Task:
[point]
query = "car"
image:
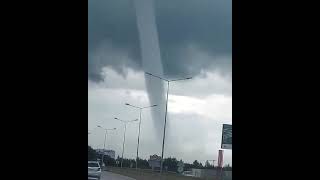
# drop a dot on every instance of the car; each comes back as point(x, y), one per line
point(188, 173)
point(94, 170)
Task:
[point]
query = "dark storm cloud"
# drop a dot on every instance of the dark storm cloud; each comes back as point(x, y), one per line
point(205, 24)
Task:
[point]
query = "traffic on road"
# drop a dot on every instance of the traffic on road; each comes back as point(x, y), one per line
point(95, 173)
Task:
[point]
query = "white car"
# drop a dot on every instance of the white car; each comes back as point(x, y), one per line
point(188, 173)
point(94, 170)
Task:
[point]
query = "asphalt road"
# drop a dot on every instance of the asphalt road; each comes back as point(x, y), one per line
point(112, 176)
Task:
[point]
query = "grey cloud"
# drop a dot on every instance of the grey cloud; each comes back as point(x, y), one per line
point(205, 24)
point(188, 133)
point(190, 136)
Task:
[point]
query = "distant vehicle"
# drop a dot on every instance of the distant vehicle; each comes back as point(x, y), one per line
point(94, 170)
point(188, 173)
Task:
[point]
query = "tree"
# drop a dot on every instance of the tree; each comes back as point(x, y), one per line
point(108, 161)
point(126, 162)
point(143, 164)
point(200, 166)
point(227, 167)
point(188, 166)
point(208, 165)
point(92, 154)
point(196, 164)
point(171, 163)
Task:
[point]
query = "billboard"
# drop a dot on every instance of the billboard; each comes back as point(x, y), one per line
point(226, 142)
point(154, 161)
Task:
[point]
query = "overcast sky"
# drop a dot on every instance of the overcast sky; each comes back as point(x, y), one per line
point(195, 40)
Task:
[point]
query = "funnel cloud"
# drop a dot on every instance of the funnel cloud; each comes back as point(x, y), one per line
point(151, 57)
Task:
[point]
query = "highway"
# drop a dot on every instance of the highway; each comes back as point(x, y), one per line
point(106, 175)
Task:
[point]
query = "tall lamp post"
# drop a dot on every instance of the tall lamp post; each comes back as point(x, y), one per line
point(165, 117)
point(105, 138)
point(124, 135)
point(140, 109)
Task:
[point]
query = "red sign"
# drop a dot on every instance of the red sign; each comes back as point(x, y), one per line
point(220, 159)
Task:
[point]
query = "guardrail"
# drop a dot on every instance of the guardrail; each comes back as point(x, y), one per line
point(148, 174)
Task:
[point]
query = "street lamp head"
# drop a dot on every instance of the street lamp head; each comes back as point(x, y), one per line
point(127, 104)
point(116, 118)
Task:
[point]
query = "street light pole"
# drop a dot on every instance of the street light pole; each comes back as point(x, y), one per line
point(165, 117)
point(140, 111)
point(124, 140)
point(105, 138)
point(124, 136)
point(164, 129)
point(138, 141)
point(104, 143)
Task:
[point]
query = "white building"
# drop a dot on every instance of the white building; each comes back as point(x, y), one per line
point(107, 152)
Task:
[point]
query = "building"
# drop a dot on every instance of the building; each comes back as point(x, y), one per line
point(107, 152)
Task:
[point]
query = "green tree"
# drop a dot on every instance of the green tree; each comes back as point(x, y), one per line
point(143, 164)
point(188, 166)
point(92, 154)
point(109, 161)
point(207, 165)
point(200, 166)
point(171, 163)
point(196, 164)
point(227, 167)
